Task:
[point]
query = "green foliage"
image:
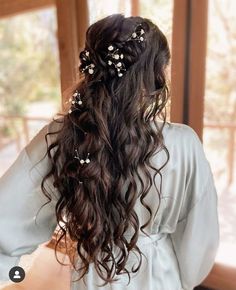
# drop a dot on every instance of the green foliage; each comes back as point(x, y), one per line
point(28, 60)
point(5, 130)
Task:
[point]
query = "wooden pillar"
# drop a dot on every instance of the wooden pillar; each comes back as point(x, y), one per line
point(135, 8)
point(188, 62)
point(197, 64)
point(67, 41)
point(72, 17)
point(82, 22)
point(180, 24)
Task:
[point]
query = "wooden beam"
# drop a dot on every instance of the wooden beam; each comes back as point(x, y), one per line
point(135, 7)
point(14, 7)
point(72, 17)
point(67, 41)
point(73, 20)
point(178, 64)
point(197, 62)
point(82, 22)
point(188, 62)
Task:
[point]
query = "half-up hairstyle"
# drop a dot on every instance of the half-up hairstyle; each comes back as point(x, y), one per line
point(113, 123)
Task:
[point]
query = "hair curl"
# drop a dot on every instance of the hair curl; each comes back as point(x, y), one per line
point(117, 115)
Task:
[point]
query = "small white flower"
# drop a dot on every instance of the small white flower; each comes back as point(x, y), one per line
point(134, 34)
point(119, 64)
point(73, 102)
point(87, 53)
point(121, 56)
point(141, 38)
point(75, 94)
point(70, 111)
point(142, 31)
point(110, 47)
point(116, 56)
point(109, 62)
point(120, 74)
point(91, 71)
point(87, 160)
point(92, 65)
point(82, 161)
point(80, 102)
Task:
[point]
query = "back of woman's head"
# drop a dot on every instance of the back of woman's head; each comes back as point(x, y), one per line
point(107, 137)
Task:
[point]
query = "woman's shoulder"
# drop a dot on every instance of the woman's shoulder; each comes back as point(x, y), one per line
point(52, 126)
point(176, 134)
point(183, 143)
point(36, 149)
point(56, 124)
point(180, 130)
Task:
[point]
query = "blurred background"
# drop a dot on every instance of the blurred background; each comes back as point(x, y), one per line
point(39, 44)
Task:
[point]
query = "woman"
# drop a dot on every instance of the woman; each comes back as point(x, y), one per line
point(135, 194)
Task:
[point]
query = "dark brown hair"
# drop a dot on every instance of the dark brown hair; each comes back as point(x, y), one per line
point(117, 114)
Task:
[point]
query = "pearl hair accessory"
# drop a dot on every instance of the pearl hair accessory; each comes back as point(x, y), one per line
point(114, 56)
point(89, 68)
point(138, 34)
point(82, 161)
point(86, 64)
point(75, 99)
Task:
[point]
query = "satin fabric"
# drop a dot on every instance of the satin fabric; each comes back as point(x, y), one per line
point(184, 234)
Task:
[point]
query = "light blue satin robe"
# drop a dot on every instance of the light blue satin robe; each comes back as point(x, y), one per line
point(184, 234)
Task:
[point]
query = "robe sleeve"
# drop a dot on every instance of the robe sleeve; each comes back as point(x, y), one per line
point(24, 225)
point(196, 238)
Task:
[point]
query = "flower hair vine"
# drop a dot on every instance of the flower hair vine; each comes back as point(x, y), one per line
point(74, 100)
point(138, 34)
point(115, 56)
point(82, 161)
point(86, 64)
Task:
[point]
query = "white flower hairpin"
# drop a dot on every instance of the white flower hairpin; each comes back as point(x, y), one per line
point(138, 34)
point(75, 99)
point(115, 58)
point(82, 161)
point(89, 68)
point(86, 64)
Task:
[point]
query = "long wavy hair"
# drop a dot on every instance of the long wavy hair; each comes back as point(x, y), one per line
point(117, 115)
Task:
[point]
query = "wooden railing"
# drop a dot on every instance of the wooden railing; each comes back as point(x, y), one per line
point(25, 128)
